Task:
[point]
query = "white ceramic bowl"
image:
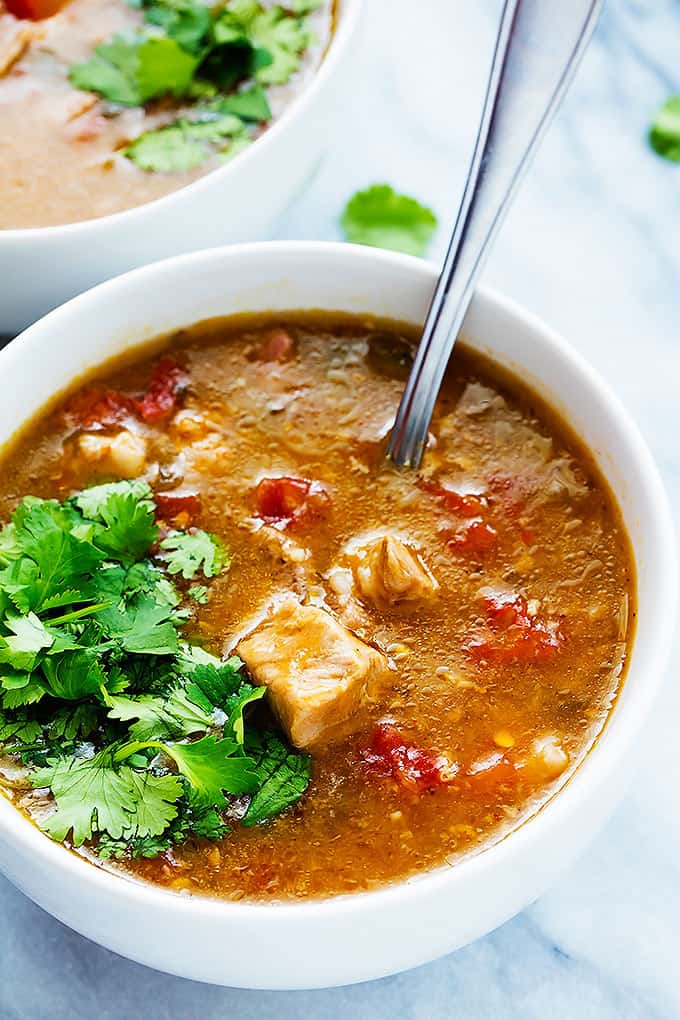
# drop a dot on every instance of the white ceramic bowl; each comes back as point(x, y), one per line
point(42, 267)
point(350, 938)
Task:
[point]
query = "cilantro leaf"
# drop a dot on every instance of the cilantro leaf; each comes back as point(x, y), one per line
point(173, 716)
point(133, 70)
point(72, 675)
point(218, 681)
point(90, 794)
point(187, 21)
point(185, 144)
point(29, 636)
point(236, 705)
point(382, 218)
point(141, 626)
point(272, 30)
point(18, 729)
point(155, 800)
point(199, 593)
point(68, 724)
point(129, 529)
point(664, 133)
point(186, 553)
point(62, 561)
point(210, 766)
point(92, 502)
point(250, 104)
point(283, 775)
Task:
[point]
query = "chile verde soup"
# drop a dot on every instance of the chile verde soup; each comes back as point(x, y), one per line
point(240, 656)
point(108, 104)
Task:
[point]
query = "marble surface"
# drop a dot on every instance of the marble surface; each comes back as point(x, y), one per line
point(593, 246)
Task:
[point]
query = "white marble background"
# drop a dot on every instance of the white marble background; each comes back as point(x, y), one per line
point(592, 245)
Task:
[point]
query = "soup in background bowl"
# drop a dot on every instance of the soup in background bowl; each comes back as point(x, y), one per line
point(167, 133)
point(265, 667)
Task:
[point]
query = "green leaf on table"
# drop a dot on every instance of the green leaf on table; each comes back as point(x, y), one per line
point(381, 218)
point(664, 133)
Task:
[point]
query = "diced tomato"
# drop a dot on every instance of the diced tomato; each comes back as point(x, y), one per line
point(36, 10)
point(98, 407)
point(286, 499)
point(389, 755)
point(476, 537)
point(170, 505)
point(278, 345)
point(465, 504)
point(514, 635)
point(166, 384)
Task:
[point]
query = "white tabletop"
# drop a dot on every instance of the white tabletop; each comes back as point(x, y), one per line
point(593, 246)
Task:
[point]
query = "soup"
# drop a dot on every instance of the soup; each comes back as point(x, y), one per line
point(106, 105)
point(269, 666)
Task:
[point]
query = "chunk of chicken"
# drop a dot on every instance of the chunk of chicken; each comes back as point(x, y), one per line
point(388, 572)
point(318, 673)
point(123, 455)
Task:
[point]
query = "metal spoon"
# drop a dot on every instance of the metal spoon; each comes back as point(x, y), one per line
point(539, 46)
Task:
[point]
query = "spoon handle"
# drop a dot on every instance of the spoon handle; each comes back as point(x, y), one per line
point(539, 46)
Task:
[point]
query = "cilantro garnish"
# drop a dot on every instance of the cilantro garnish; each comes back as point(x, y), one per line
point(198, 53)
point(186, 144)
point(186, 553)
point(132, 70)
point(91, 650)
point(381, 218)
point(664, 133)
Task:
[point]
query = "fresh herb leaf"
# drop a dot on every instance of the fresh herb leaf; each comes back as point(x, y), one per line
point(381, 218)
point(250, 104)
point(155, 800)
point(218, 681)
point(199, 593)
point(187, 21)
point(91, 796)
point(236, 705)
point(186, 553)
point(141, 626)
point(185, 144)
point(93, 502)
point(73, 675)
point(133, 70)
point(272, 30)
point(664, 133)
point(173, 716)
point(283, 777)
point(211, 766)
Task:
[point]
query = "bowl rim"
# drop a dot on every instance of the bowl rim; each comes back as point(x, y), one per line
point(590, 775)
point(349, 11)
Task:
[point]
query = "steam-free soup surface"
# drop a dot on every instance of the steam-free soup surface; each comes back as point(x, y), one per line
point(75, 145)
point(494, 588)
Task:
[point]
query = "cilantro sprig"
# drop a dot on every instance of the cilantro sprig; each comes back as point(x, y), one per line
point(381, 218)
point(141, 739)
point(664, 133)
